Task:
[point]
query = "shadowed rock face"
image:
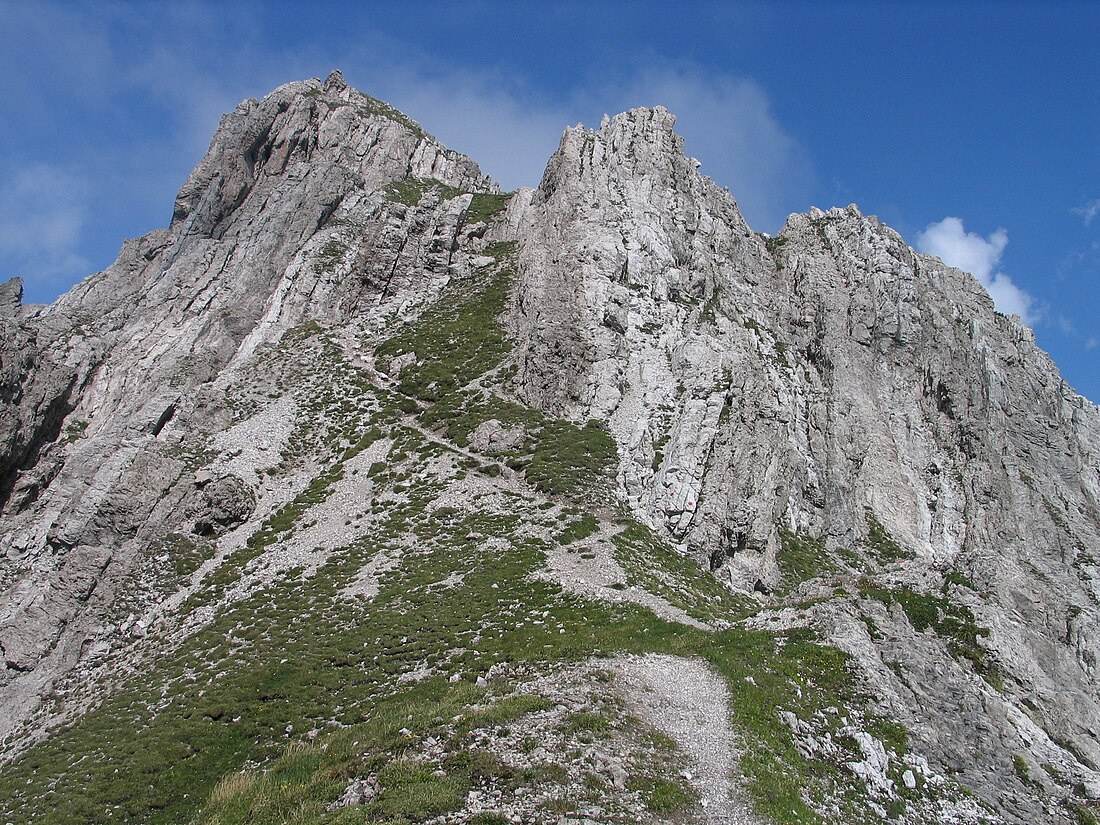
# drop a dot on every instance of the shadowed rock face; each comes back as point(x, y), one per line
point(828, 389)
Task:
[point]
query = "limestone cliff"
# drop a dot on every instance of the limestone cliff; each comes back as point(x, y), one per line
point(349, 348)
point(827, 382)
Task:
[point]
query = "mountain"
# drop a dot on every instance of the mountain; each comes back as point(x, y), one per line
point(365, 492)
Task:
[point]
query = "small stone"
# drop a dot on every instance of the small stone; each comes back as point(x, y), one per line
point(358, 792)
point(790, 720)
point(909, 779)
point(619, 776)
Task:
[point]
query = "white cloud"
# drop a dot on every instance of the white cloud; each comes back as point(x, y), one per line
point(507, 131)
point(1090, 343)
point(1010, 299)
point(42, 213)
point(1089, 211)
point(979, 256)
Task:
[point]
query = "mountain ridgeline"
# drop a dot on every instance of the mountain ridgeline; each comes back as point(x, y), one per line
point(366, 492)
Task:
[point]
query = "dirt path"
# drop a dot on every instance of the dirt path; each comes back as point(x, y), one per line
point(589, 568)
point(685, 700)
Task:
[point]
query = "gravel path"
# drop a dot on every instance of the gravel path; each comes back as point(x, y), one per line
point(685, 700)
point(589, 569)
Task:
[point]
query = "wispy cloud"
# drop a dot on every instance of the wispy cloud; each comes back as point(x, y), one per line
point(949, 240)
point(509, 131)
point(729, 125)
point(1089, 211)
point(42, 215)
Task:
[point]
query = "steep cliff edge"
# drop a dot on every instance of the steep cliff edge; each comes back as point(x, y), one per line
point(358, 429)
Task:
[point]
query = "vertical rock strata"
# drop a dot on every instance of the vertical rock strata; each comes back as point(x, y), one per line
point(824, 382)
point(818, 411)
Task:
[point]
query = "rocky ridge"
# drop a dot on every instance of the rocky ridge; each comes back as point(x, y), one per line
point(351, 364)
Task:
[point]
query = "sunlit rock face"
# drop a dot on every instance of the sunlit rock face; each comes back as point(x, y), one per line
point(829, 381)
point(841, 430)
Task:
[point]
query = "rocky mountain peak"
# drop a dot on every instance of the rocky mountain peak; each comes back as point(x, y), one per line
point(638, 145)
point(651, 126)
point(335, 82)
point(361, 458)
point(344, 138)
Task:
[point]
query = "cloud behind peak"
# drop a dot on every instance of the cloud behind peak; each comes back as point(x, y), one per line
point(950, 242)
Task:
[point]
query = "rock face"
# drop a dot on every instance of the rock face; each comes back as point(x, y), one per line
point(97, 386)
point(825, 381)
point(840, 429)
point(223, 503)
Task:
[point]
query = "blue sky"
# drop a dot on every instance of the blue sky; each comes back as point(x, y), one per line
point(971, 128)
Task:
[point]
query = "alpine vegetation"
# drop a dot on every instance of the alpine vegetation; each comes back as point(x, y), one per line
point(365, 492)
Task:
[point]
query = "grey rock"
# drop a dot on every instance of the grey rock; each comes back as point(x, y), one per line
point(358, 792)
point(817, 383)
point(619, 775)
point(400, 362)
point(11, 296)
point(222, 504)
point(494, 437)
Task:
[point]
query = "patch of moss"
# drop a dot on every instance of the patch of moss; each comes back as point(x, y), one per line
point(367, 105)
point(1020, 768)
point(954, 577)
point(572, 460)
point(330, 254)
point(455, 342)
point(411, 190)
point(953, 622)
point(74, 430)
point(663, 796)
point(485, 206)
point(652, 564)
point(1085, 813)
point(882, 545)
point(800, 559)
point(579, 529)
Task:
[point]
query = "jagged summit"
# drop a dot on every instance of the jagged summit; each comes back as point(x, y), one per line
point(335, 82)
point(11, 295)
point(364, 485)
point(348, 140)
point(652, 125)
point(638, 146)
